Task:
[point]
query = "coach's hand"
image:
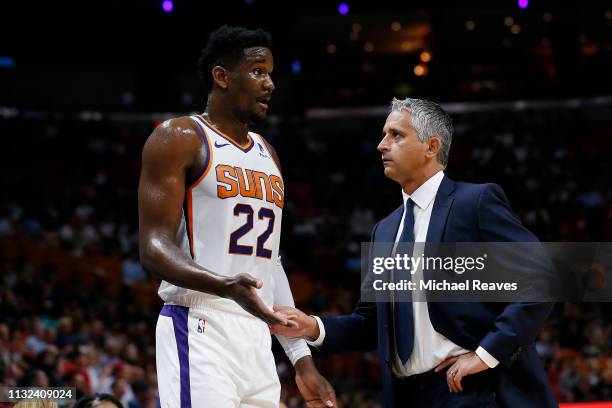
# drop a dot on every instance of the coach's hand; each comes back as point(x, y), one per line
point(242, 288)
point(461, 366)
point(315, 389)
point(305, 327)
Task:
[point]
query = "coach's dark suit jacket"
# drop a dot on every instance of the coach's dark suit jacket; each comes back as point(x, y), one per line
point(462, 212)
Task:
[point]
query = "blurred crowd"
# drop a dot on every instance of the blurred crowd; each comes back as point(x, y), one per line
point(77, 309)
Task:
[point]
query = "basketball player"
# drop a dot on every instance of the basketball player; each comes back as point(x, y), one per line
point(210, 199)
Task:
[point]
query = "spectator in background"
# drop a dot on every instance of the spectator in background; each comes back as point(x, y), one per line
point(99, 401)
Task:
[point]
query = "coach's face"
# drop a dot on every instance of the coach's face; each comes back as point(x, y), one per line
point(404, 156)
point(250, 85)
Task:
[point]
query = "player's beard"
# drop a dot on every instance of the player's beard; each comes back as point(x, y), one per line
point(256, 118)
point(250, 117)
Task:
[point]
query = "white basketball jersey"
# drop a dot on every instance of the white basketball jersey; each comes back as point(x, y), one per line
point(232, 214)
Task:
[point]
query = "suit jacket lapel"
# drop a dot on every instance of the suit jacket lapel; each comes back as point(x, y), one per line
point(385, 236)
point(388, 229)
point(437, 223)
point(441, 208)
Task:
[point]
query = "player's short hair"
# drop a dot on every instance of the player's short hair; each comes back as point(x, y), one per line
point(430, 120)
point(225, 47)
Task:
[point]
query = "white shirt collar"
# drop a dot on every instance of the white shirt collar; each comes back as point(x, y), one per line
point(425, 194)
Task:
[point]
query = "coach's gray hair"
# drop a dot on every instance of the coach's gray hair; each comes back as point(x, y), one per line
point(430, 120)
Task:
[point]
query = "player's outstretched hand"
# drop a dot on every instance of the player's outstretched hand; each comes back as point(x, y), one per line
point(242, 288)
point(316, 390)
point(305, 326)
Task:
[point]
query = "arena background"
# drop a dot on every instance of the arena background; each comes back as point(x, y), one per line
point(82, 86)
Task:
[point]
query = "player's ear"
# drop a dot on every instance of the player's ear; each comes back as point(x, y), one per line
point(220, 76)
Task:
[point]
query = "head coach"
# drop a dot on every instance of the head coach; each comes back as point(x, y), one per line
point(436, 354)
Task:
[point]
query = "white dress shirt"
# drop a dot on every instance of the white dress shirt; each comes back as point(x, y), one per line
point(430, 347)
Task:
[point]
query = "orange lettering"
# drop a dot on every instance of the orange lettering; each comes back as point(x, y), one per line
point(258, 177)
point(278, 188)
point(245, 191)
point(227, 175)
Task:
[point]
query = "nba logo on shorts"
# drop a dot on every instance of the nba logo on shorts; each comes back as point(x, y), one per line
point(201, 323)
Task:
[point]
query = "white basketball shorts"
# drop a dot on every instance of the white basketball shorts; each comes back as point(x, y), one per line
point(214, 359)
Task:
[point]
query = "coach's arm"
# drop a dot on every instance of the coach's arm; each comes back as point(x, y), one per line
point(354, 332)
point(516, 324)
point(519, 323)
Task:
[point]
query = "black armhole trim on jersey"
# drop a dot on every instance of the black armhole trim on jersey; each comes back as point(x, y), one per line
point(186, 217)
point(204, 168)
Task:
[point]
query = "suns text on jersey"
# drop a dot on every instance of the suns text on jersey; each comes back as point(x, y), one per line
point(233, 181)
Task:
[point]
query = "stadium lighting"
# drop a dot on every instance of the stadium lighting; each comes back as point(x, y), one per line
point(425, 56)
point(296, 67)
point(167, 6)
point(7, 62)
point(421, 70)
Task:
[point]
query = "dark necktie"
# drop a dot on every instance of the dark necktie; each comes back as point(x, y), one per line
point(404, 324)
